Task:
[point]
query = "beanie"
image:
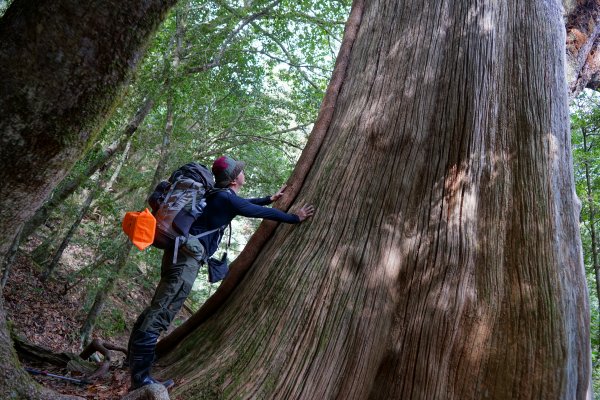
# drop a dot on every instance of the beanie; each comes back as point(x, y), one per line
point(226, 169)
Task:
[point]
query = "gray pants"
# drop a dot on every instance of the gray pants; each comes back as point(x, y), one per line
point(176, 280)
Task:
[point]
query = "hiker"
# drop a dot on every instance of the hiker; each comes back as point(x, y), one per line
point(177, 276)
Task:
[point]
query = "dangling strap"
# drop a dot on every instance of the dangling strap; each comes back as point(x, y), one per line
point(228, 243)
point(176, 249)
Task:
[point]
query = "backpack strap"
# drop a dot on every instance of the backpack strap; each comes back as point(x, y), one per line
point(171, 189)
point(183, 239)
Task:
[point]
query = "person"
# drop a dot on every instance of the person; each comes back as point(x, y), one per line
point(177, 278)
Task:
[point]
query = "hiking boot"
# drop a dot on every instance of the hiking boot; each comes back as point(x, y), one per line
point(140, 365)
point(141, 357)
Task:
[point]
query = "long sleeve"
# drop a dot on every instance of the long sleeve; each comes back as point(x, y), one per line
point(261, 201)
point(223, 206)
point(248, 209)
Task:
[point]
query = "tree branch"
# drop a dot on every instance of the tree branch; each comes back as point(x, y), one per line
point(288, 62)
point(248, 20)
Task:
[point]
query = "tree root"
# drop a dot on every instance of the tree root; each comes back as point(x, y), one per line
point(32, 352)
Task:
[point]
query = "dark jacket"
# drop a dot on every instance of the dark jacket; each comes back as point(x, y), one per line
point(223, 206)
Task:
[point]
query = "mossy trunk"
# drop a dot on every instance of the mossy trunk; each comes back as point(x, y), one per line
point(444, 259)
point(63, 63)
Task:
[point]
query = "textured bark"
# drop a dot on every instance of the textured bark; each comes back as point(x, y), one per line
point(62, 65)
point(59, 80)
point(581, 64)
point(444, 260)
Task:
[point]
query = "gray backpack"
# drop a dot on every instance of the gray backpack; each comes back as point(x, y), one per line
point(179, 204)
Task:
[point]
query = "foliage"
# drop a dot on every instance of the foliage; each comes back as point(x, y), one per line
point(112, 322)
point(4, 6)
point(585, 124)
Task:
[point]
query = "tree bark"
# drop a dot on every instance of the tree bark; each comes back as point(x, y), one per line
point(87, 52)
point(63, 63)
point(444, 260)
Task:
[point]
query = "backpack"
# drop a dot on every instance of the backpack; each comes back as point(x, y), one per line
point(175, 204)
point(179, 202)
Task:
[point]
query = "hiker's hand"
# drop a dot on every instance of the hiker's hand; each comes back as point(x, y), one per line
point(305, 212)
point(279, 193)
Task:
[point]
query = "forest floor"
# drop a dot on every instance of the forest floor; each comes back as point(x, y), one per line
point(45, 316)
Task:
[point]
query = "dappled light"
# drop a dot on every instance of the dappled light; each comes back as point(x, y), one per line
point(443, 258)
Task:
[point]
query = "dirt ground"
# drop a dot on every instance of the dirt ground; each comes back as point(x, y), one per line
point(44, 316)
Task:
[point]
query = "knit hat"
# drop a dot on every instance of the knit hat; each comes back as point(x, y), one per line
point(226, 169)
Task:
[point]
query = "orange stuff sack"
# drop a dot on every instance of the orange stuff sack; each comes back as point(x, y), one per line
point(139, 228)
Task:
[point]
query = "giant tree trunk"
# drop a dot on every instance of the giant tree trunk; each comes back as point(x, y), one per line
point(62, 64)
point(444, 260)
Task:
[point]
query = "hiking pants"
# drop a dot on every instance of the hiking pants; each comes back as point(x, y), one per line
point(176, 280)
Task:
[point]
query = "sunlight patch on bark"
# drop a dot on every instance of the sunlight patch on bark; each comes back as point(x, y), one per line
point(483, 18)
point(392, 259)
point(554, 149)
